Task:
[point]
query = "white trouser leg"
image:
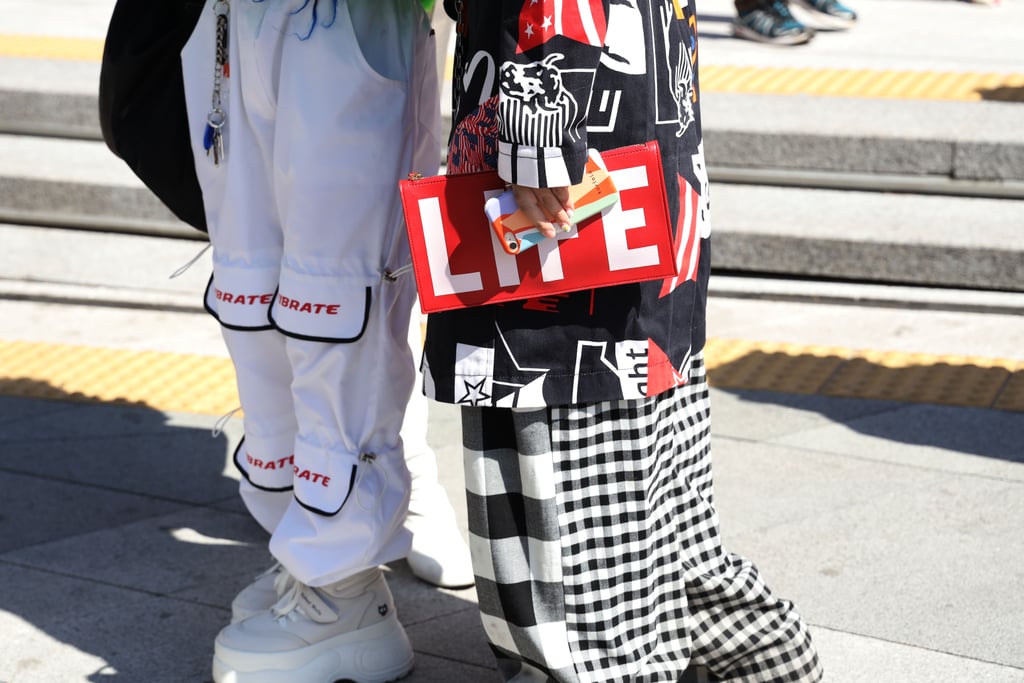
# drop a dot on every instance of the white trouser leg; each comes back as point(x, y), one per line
point(439, 554)
point(351, 485)
point(264, 457)
point(428, 498)
point(306, 228)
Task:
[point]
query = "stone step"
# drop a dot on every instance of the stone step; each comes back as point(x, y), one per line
point(918, 239)
point(928, 240)
point(973, 143)
point(913, 187)
point(972, 147)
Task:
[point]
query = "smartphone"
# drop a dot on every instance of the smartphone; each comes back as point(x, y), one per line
point(517, 233)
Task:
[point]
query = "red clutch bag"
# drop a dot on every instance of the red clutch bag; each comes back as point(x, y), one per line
point(459, 260)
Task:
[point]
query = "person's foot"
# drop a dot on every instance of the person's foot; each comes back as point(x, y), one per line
point(829, 14)
point(439, 554)
point(771, 22)
point(347, 630)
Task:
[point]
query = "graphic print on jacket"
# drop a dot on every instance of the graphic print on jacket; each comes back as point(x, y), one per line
point(536, 106)
point(536, 84)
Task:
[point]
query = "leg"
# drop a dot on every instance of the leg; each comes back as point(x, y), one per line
point(264, 457)
point(439, 555)
point(596, 548)
point(324, 274)
point(514, 540)
point(337, 153)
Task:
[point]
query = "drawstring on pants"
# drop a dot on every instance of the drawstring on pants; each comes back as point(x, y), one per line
point(370, 459)
point(191, 262)
point(222, 421)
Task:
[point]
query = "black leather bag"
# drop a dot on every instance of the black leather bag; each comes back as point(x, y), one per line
point(142, 99)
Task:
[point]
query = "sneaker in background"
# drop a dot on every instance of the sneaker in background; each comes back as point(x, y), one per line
point(829, 14)
point(771, 22)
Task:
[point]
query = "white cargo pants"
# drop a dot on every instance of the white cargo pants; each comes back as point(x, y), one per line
point(307, 233)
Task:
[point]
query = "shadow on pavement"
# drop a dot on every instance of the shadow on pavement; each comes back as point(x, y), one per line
point(1003, 94)
point(122, 543)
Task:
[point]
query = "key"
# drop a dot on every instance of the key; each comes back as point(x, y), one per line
point(213, 139)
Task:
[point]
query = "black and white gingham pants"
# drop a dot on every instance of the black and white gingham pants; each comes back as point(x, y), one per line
point(596, 548)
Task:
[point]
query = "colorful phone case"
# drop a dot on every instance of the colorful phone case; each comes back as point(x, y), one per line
point(517, 233)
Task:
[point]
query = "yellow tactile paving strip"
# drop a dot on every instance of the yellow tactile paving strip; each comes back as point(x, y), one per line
point(51, 47)
point(205, 385)
point(162, 381)
point(881, 375)
point(866, 83)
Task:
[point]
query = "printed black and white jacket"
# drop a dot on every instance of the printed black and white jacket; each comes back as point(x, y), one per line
point(537, 83)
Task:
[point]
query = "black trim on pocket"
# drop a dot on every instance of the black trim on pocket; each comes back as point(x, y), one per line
point(330, 340)
point(237, 328)
point(324, 513)
point(238, 466)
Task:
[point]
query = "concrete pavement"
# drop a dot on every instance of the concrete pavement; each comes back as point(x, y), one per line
point(893, 525)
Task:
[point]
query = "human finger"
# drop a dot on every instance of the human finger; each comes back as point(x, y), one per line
point(530, 201)
point(557, 206)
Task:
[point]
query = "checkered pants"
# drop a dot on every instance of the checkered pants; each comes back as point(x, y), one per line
point(596, 548)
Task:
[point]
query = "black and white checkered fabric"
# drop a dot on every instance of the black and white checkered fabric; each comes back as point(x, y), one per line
point(596, 547)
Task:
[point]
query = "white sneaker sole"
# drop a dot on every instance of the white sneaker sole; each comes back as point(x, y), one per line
point(377, 654)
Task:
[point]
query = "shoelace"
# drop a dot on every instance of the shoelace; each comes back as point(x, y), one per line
point(826, 6)
point(781, 9)
point(282, 578)
point(288, 605)
point(774, 19)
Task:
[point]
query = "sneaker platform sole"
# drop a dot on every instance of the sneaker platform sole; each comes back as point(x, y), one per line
point(377, 654)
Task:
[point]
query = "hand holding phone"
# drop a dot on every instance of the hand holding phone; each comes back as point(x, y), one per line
point(517, 233)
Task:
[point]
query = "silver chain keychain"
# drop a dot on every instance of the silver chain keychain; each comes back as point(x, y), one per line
point(213, 139)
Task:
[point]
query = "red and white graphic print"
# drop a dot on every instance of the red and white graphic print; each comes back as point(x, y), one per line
point(687, 240)
point(580, 20)
point(661, 374)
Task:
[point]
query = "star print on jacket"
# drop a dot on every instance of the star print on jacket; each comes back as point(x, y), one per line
point(541, 20)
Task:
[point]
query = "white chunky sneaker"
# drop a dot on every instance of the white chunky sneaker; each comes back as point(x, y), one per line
point(262, 593)
point(345, 631)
